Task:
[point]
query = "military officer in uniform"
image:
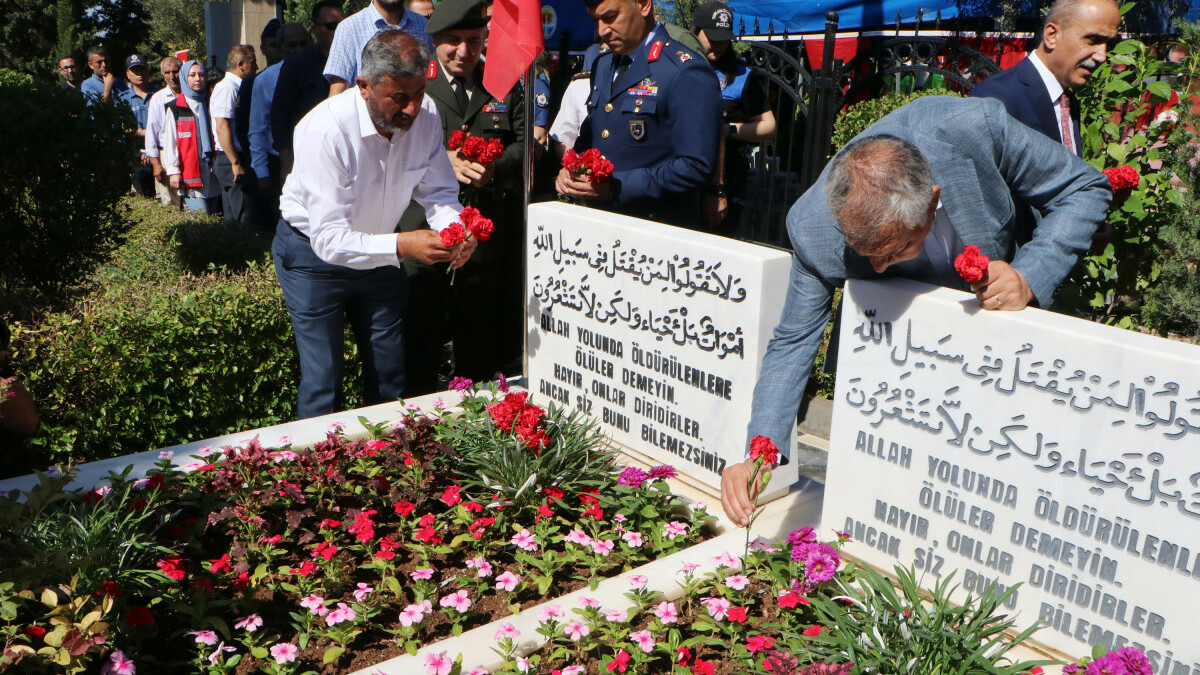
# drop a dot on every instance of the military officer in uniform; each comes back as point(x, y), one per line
point(482, 312)
point(655, 112)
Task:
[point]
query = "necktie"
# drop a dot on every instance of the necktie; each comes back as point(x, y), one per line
point(620, 64)
point(460, 94)
point(1064, 120)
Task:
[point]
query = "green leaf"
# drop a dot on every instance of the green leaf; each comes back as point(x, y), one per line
point(332, 652)
point(1117, 152)
point(259, 652)
point(1161, 89)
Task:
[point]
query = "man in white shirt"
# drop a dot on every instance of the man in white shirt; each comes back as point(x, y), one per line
point(366, 153)
point(229, 167)
point(157, 124)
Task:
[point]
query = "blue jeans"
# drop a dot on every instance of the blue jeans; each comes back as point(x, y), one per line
point(320, 298)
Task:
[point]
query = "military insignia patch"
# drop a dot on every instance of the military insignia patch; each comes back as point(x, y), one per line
point(495, 107)
point(683, 56)
point(542, 100)
point(431, 72)
point(637, 129)
point(655, 50)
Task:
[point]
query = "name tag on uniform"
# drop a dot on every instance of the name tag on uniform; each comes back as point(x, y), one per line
point(495, 107)
point(185, 134)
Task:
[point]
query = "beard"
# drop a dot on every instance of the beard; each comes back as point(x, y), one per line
point(392, 5)
point(400, 122)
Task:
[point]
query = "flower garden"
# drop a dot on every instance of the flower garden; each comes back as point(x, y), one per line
point(335, 558)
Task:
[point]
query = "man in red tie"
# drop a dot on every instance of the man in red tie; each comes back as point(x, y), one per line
point(1037, 91)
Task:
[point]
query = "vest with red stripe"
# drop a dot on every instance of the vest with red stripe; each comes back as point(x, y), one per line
point(187, 142)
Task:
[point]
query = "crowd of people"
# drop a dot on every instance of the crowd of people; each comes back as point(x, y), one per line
point(354, 149)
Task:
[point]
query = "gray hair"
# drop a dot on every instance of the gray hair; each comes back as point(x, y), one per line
point(1063, 12)
point(875, 185)
point(395, 54)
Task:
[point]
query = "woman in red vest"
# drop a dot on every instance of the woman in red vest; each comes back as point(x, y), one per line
point(187, 153)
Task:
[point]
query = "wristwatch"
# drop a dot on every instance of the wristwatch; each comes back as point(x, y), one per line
point(732, 131)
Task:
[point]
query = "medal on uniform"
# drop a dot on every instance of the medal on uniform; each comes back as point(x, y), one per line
point(637, 128)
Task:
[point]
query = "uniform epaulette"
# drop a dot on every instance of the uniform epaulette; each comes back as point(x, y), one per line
point(582, 75)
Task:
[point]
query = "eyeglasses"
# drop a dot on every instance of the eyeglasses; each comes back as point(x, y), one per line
point(330, 25)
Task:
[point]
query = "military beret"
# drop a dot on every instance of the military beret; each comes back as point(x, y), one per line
point(461, 14)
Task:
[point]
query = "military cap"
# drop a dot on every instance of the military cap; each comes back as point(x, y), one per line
point(461, 14)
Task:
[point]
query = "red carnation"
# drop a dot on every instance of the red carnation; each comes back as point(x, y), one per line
point(404, 508)
point(972, 265)
point(1122, 178)
point(570, 160)
point(736, 614)
point(172, 566)
point(473, 148)
point(492, 151)
point(481, 228)
point(456, 140)
point(591, 164)
point(453, 235)
point(34, 631)
point(762, 447)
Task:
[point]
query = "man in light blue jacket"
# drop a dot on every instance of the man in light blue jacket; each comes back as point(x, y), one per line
point(903, 199)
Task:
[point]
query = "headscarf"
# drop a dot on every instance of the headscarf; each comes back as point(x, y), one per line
point(200, 99)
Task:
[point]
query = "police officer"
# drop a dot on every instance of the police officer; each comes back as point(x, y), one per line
point(481, 313)
point(655, 112)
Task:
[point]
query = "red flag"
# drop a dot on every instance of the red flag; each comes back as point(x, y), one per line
point(514, 41)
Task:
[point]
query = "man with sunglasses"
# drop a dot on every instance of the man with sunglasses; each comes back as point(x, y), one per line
point(302, 84)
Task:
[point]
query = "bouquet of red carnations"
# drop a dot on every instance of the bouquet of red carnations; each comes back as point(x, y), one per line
point(471, 223)
point(591, 164)
point(476, 148)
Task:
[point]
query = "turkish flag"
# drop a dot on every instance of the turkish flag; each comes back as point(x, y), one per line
point(514, 41)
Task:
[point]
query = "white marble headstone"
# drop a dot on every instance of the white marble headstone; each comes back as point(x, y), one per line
point(1024, 447)
point(656, 331)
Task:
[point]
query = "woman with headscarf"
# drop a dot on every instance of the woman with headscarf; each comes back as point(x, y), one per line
point(187, 153)
point(748, 118)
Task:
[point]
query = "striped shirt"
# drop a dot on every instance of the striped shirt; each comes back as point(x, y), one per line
point(345, 55)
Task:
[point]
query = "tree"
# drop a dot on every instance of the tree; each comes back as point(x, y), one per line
point(178, 24)
point(27, 38)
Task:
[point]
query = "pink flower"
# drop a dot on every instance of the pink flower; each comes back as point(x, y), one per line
point(688, 567)
point(638, 581)
point(204, 637)
point(479, 671)
point(586, 601)
point(576, 630)
point(620, 518)
point(483, 568)
point(438, 664)
point(549, 613)
point(424, 573)
point(674, 529)
point(577, 536)
point(762, 544)
point(644, 639)
point(507, 630)
point(524, 665)
point(634, 539)
point(725, 560)
point(603, 547)
point(458, 600)
point(507, 581)
point(737, 581)
point(717, 607)
point(362, 591)
point(215, 657)
point(343, 613)
point(284, 652)
point(315, 604)
point(166, 454)
point(525, 540)
point(249, 623)
point(616, 615)
point(573, 670)
point(412, 614)
point(666, 612)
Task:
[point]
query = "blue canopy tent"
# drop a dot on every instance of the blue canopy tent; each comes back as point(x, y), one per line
point(808, 16)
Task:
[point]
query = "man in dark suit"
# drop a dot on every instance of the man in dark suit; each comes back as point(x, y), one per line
point(1038, 90)
point(481, 313)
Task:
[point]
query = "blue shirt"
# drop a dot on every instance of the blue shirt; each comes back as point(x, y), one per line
point(138, 104)
point(345, 55)
point(262, 144)
point(93, 88)
point(541, 100)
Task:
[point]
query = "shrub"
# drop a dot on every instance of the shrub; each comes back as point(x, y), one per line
point(854, 119)
point(155, 356)
point(65, 171)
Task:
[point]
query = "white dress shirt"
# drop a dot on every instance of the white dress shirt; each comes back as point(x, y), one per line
point(1054, 87)
point(221, 104)
point(157, 120)
point(350, 185)
point(571, 112)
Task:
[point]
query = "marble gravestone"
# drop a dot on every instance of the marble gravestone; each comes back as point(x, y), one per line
point(1023, 448)
point(655, 331)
